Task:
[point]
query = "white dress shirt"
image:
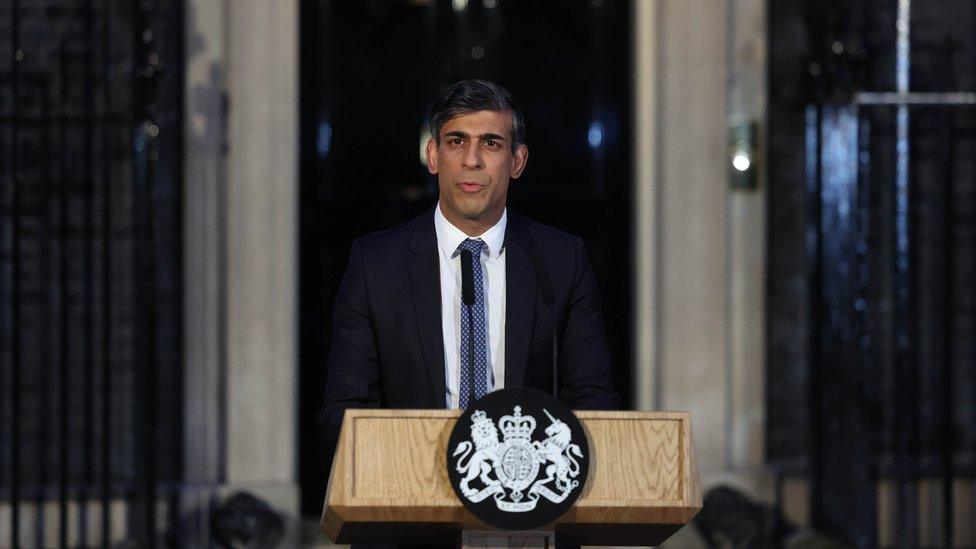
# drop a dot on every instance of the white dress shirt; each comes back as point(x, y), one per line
point(493, 268)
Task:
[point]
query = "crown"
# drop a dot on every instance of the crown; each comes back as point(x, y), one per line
point(479, 416)
point(517, 427)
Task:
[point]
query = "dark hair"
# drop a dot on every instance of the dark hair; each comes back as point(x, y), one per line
point(469, 96)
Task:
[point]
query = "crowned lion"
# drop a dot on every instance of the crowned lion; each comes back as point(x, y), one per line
point(485, 437)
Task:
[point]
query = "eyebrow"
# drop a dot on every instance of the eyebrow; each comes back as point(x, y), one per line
point(464, 135)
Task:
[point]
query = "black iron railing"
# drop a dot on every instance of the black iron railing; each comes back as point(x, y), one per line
point(90, 378)
point(872, 124)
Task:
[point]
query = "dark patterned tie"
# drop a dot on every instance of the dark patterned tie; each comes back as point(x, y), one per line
point(476, 313)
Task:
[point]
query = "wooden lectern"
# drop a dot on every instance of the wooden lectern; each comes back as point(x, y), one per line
point(389, 482)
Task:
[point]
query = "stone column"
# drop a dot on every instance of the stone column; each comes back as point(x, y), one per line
point(746, 236)
point(204, 276)
point(700, 246)
point(262, 241)
point(645, 200)
point(241, 245)
point(693, 187)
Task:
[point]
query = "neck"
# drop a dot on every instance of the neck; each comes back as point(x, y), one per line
point(472, 227)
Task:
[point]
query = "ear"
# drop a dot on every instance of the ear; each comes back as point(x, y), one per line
point(521, 158)
point(432, 156)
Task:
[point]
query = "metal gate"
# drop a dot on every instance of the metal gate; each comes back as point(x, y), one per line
point(90, 379)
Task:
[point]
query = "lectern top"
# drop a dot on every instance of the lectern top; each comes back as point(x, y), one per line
point(389, 479)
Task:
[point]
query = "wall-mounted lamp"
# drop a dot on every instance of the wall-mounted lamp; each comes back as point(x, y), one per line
point(742, 155)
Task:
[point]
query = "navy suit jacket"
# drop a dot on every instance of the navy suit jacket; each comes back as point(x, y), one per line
point(387, 342)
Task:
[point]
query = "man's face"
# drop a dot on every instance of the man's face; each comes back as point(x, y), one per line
point(474, 163)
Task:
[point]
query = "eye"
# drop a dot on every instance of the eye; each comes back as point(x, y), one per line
point(455, 141)
point(491, 144)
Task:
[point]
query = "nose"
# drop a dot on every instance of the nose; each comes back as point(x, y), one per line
point(472, 157)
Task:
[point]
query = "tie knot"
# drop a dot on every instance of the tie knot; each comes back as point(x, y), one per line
point(473, 246)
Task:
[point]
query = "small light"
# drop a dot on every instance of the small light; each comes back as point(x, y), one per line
point(477, 52)
point(19, 55)
point(741, 161)
point(489, 4)
point(459, 5)
point(837, 47)
point(595, 135)
point(323, 141)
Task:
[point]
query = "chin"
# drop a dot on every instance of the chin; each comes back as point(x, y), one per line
point(473, 216)
point(474, 212)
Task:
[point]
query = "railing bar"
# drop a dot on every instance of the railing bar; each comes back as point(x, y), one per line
point(916, 98)
point(867, 373)
point(815, 315)
point(905, 356)
point(63, 319)
point(70, 119)
point(948, 334)
point(89, 276)
point(145, 267)
point(4, 360)
point(15, 350)
point(46, 239)
point(106, 336)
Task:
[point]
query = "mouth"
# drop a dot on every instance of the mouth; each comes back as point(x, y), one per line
point(470, 186)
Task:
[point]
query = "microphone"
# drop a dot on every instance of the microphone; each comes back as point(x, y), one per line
point(467, 297)
point(549, 296)
point(467, 278)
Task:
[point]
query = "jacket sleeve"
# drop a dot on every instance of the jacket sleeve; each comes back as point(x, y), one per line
point(584, 359)
point(352, 369)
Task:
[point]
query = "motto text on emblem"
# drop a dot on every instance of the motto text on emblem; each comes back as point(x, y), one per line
point(516, 471)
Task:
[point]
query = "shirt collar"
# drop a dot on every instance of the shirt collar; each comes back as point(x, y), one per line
point(450, 237)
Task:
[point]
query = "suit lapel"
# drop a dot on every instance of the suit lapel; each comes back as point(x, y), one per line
point(520, 291)
point(425, 281)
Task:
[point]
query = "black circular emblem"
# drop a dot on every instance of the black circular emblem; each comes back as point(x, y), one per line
point(518, 459)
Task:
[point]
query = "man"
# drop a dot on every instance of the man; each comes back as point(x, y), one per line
point(401, 336)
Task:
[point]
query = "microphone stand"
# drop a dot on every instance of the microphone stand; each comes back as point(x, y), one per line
point(467, 296)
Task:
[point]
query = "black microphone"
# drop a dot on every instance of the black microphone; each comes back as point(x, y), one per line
point(549, 296)
point(467, 278)
point(467, 296)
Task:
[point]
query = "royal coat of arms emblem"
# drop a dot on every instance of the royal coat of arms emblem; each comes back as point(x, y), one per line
point(517, 471)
